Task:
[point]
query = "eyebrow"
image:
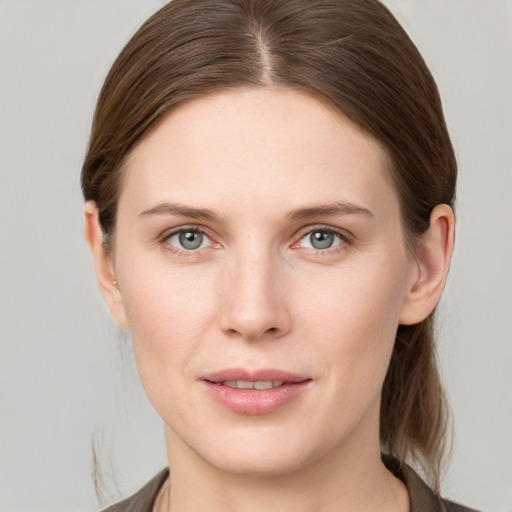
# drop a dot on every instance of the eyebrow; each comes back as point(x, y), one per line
point(294, 215)
point(331, 209)
point(181, 210)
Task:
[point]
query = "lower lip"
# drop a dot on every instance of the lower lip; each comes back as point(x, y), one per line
point(256, 401)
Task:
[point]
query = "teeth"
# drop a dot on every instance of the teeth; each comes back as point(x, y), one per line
point(245, 384)
point(263, 385)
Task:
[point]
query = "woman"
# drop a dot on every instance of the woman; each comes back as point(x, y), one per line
point(269, 189)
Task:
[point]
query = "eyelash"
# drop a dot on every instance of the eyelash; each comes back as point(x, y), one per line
point(345, 237)
point(185, 253)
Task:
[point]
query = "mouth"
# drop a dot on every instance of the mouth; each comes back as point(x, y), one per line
point(247, 384)
point(255, 392)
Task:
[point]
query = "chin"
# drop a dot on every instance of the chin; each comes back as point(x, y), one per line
point(258, 464)
point(267, 453)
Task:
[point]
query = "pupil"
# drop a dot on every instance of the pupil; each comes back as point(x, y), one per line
point(191, 240)
point(321, 240)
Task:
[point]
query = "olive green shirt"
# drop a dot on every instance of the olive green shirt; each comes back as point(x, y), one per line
point(422, 497)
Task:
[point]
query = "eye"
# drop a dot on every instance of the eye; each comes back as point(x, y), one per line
point(188, 239)
point(321, 239)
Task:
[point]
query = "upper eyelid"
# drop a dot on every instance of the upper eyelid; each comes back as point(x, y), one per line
point(344, 234)
point(346, 239)
point(163, 241)
point(190, 227)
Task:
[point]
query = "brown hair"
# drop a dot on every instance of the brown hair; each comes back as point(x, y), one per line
point(352, 55)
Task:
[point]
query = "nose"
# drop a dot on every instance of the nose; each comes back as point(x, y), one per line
point(255, 298)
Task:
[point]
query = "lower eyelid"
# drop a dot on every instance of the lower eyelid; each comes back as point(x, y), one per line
point(206, 238)
point(176, 249)
point(344, 238)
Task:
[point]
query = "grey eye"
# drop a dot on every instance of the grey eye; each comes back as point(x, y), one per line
point(321, 239)
point(189, 240)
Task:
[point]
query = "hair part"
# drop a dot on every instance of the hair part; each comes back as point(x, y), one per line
point(354, 57)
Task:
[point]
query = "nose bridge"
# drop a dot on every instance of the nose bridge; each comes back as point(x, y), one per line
point(254, 303)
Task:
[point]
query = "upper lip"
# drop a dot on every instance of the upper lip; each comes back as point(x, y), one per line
point(262, 375)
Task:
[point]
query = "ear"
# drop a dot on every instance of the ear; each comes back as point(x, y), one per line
point(432, 261)
point(103, 264)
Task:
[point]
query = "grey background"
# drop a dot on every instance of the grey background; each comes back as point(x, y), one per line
point(66, 372)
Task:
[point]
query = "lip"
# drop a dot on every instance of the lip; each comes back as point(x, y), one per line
point(255, 401)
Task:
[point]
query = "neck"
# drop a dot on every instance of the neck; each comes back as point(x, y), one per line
point(345, 479)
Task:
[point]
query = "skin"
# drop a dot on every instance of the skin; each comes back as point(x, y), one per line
point(257, 294)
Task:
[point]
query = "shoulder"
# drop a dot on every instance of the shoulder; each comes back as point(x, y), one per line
point(449, 506)
point(142, 500)
point(423, 499)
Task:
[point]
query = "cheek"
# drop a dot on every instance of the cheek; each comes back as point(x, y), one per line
point(161, 299)
point(168, 315)
point(353, 319)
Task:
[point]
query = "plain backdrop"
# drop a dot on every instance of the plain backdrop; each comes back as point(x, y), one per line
point(66, 372)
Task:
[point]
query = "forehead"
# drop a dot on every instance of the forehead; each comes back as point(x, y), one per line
point(252, 144)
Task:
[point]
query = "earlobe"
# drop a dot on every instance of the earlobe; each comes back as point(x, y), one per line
point(103, 264)
point(432, 262)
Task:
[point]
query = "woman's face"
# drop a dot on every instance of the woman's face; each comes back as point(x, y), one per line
point(259, 245)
